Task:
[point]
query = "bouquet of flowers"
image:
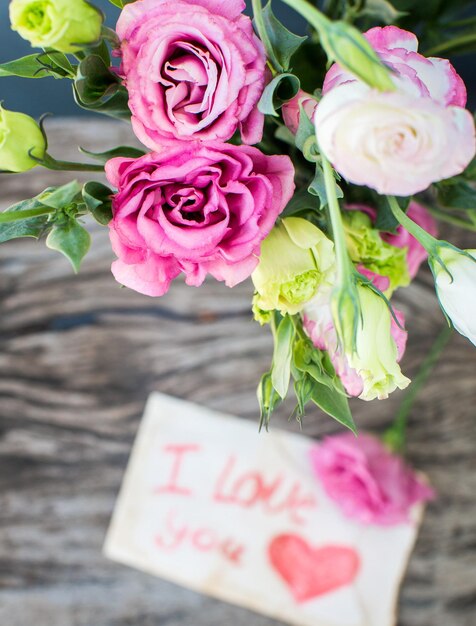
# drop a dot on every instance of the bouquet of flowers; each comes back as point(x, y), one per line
point(317, 165)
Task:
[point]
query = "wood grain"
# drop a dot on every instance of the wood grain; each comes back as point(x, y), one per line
point(78, 358)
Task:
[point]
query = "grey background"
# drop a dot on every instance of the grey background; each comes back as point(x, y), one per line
point(55, 96)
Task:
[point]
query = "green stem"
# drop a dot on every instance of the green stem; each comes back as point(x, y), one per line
point(452, 219)
point(51, 163)
point(16, 216)
point(342, 255)
point(396, 434)
point(426, 240)
point(77, 167)
point(263, 34)
point(447, 46)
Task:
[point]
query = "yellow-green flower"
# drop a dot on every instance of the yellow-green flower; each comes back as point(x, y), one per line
point(64, 25)
point(20, 136)
point(367, 247)
point(296, 259)
point(375, 354)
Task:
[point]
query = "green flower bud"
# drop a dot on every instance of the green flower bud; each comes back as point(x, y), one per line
point(375, 355)
point(296, 259)
point(64, 25)
point(344, 44)
point(20, 135)
point(367, 247)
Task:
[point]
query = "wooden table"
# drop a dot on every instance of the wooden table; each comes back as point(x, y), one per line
point(79, 357)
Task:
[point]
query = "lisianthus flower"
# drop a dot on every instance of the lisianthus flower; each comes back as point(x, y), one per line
point(64, 25)
point(196, 209)
point(397, 142)
point(20, 137)
point(456, 288)
point(367, 482)
point(372, 371)
point(367, 247)
point(401, 238)
point(296, 259)
point(292, 109)
point(194, 69)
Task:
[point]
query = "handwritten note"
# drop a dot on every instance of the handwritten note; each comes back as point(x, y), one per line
point(212, 505)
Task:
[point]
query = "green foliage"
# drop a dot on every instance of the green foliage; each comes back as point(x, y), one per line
point(43, 65)
point(98, 89)
point(55, 213)
point(284, 333)
point(284, 44)
point(381, 10)
point(121, 151)
point(121, 3)
point(70, 238)
point(281, 89)
point(98, 200)
point(314, 377)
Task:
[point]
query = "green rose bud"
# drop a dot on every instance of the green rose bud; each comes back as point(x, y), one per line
point(296, 259)
point(367, 247)
point(20, 136)
point(375, 354)
point(64, 25)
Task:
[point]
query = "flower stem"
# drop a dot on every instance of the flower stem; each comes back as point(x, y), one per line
point(16, 216)
point(342, 255)
point(426, 240)
point(452, 219)
point(395, 436)
point(263, 34)
point(51, 163)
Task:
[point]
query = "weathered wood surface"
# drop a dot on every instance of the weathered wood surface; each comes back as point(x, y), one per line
point(78, 358)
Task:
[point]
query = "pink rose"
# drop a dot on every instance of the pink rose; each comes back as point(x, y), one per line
point(366, 481)
point(196, 209)
point(193, 69)
point(319, 326)
point(292, 112)
point(416, 253)
point(397, 142)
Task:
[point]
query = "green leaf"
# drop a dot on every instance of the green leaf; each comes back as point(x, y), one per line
point(97, 198)
point(300, 202)
point(334, 404)
point(122, 151)
point(283, 351)
point(60, 197)
point(71, 239)
point(38, 66)
point(306, 129)
point(31, 227)
point(303, 389)
point(281, 89)
point(268, 399)
point(382, 10)
point(98, 89)
point(457, 195)
point(121, 3)
point(284, 42)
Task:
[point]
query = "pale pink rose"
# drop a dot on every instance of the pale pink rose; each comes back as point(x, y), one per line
point(368, 482)
point(319, 326)
point(292, 112)
point(198, 209)
point(416, 253)
point(398, 142)
point(194, 69)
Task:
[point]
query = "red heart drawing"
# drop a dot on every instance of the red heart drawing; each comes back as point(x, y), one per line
point(311, 572)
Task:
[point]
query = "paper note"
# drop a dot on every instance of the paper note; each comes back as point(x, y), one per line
point(211, 504)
